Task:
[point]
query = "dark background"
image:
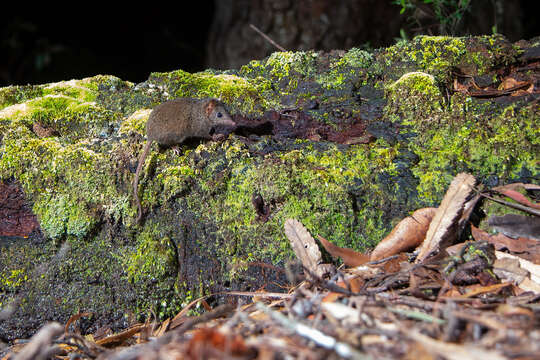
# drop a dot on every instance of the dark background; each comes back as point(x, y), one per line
point(43, 43)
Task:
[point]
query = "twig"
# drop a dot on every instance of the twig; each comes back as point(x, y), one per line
point(321, 339)
point(376, 262)
point(512, 205)
point(417, 315)
point(330, 285)
point(40, 345)
point(219, 311)
point(267, 38)
point(408, 301)
point(88, 348)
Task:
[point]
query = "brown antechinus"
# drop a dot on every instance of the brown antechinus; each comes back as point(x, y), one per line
point(173, 121)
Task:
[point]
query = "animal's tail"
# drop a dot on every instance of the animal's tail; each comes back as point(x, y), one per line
point(136, 180)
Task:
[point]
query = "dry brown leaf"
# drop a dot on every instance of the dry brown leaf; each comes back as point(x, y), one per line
point(510, 84)
point(332, 297)
point(517, 316)
point(460, 87)
point(181, 316)
point(517, 186)
point(519, 197)
point(408, 234)
point(41, 344)
point(527, 248)
point(442, 229)
point(529, 285)
point(122, 336)
point(74, 318)
point(508, 269)
point(479, 289)
point(349, 256)
point(395, 264)
point(304, 246)
point(163, 327)
point(533, 269)
point(209, 341)
point(354, 284)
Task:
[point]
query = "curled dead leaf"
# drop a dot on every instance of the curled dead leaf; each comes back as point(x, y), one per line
point(408, 234)
point(349, 256)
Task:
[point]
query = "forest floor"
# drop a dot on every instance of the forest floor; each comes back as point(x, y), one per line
point(438, 286)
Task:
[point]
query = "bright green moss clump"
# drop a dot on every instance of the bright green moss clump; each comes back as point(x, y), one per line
point(494, 143)
point(67, 181)
point(153, 258)
point(72, 180)
point(495, 147)
point(243, 94)
point(439, 55)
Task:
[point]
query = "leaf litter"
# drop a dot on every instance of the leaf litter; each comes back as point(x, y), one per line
point(437, 287)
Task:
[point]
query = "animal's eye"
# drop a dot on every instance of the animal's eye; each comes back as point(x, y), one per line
point(219, 114)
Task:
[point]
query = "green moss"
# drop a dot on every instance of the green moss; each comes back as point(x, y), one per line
point(154, 257)
point(438, 55)
point(243, 94)
point(84, 118)
point(414, 84)
point(17, 94)
point(431, 54)
point(135, 123)
point(348, 70)
point(287, 72)
point(309, 185)
point(82, 90)
point(198, 204)
point(468, 136)
point(312, 185)
point(67, 176)
point(414, 99)
point(69, 110)
point(11, 280)
point(72, 180)
point(287, 63)
point(497, 144)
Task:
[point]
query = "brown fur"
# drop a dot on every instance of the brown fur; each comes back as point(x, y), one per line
point(173, 121)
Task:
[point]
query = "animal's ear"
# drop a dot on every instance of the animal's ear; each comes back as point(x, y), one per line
point(210, 106)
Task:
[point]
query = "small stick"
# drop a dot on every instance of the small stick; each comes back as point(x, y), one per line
point(376, 262)
point(513, 205)
point(315, 335)
point(266, 37)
